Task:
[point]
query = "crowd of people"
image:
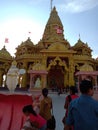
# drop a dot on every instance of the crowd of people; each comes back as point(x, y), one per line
point(81, 112)
point(39, 114)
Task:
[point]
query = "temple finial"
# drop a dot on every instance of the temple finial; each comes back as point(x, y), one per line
point(79, 36)
point(51, 2)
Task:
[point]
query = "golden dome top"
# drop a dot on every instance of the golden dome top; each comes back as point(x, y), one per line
point(86, 67)
point(4, 53)
point(81, 44)
point(38, 66)
point(57, 47)
point(27, 42)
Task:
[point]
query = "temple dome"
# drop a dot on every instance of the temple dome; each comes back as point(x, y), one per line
point(4, 53)
point(27, 42)
point(57, 47)
point(38, 66)
point(86, 67)
point(81, 44)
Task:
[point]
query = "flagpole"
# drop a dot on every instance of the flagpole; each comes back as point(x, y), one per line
point(29, 34)
point(51, 1)
point(79, 35)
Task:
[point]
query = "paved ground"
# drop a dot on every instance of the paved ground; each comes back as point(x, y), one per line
point(58, 103)
point(58, 107)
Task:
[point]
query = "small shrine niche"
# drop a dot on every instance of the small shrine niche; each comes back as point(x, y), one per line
point(38, 76)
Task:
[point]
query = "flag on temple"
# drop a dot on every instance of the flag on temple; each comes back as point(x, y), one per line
point(6, 40)
point(59, 31)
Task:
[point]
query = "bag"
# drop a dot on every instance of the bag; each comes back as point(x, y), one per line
point(51, 123)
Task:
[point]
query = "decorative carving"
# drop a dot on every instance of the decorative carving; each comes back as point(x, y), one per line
point(82, 48)
point(60, 62)
point(37, 66)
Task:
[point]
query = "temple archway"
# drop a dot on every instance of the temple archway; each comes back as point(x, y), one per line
point(57, 70)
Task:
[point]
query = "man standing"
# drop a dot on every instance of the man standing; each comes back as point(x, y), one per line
point(45, 110)
point(83, 111)
point(45, 105)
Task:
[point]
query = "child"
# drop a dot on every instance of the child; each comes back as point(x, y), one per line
point(35, 119)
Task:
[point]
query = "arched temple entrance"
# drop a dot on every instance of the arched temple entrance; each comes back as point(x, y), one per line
point(56, 77)
point(57, 74)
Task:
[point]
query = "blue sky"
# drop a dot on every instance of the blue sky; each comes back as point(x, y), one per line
point(18, 17)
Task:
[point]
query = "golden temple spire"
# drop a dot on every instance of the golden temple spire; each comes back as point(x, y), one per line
point(53, 32)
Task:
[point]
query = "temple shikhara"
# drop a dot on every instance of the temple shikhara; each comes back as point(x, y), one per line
point(52, 62)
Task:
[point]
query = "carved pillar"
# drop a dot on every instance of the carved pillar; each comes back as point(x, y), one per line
point(24, 76)
point(44, 81)
point(66, 79)
point(44, 60)
point(23, 84)
point(71, 72)
point(1, 78)
point(31, 81)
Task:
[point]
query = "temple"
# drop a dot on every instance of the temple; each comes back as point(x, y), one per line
point(52, 60)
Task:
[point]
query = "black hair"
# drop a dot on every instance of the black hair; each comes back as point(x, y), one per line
point(29, 108)
point(45, 92)
point(85, 85)
point(72, 89)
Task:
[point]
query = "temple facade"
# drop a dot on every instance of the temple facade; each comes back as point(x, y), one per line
point(53, 61)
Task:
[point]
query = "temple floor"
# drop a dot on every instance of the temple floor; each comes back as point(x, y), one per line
point(11, 116)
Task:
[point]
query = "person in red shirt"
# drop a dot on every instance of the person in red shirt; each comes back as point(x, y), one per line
point(72, 95)
point(37, 120)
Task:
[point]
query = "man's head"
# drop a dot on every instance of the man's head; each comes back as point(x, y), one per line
point(45, 92)
point(72, 90)
point(28, 109)
point(86, 87)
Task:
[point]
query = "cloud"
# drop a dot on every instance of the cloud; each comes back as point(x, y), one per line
point(76, 6)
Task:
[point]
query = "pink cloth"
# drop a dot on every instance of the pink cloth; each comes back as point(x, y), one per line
point(40, 120)
point(11, 115)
